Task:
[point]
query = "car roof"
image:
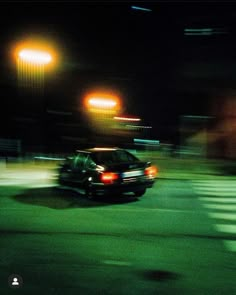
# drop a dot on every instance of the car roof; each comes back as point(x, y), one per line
point(98, 149)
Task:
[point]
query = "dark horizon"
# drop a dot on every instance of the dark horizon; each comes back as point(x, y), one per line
point(160, 71)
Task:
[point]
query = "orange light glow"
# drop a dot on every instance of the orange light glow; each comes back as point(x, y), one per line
point(36, 51)
point(102, 101)
point(151, 171)
point(99, 102)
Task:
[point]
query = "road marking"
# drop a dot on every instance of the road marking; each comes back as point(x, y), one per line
point(224, 199)
point(117, 262)
point(226, 216)
point(230, 245)
point(219, 188)
point(228, 207)
point(216, 193)
point(215, 182)
point(226, 228)
point(209, 187)
point(218, 200)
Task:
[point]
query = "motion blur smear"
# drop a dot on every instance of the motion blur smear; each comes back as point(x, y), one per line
point(117, 148)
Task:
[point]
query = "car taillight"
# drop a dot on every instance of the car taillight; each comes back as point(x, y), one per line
point(151, 171)
point(109, 177)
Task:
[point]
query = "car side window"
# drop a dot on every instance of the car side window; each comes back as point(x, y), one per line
point(123, 156)
point(80, 161)
point(89, 163)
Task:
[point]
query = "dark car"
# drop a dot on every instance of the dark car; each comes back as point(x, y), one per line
point(104, 171)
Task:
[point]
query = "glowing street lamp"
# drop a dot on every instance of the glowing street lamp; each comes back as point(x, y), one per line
point(102, 103)
point(32, 57)
point(101, 107)
point(35, 56)
point(30, 67)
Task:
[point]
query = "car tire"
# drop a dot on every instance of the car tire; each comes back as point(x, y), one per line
point(89, 192)
point(61, 181)
point(140, 193)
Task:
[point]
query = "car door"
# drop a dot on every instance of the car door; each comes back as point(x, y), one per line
point(65, 171)
point(79, 171)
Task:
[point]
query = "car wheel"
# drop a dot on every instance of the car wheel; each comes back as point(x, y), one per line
point(89, 192)
point(140, 193)
point(61, 181)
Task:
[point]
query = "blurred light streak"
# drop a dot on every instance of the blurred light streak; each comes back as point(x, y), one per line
point(141, 8)
point(139, 126)
point(146, 141)
point(127, 119)
point(199, 34)
point(49, 158)
point(204, 31)
point(197, 117)
point(198, 30)
point(105, 149)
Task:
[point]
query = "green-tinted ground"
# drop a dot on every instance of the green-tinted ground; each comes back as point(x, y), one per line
point(62, 243)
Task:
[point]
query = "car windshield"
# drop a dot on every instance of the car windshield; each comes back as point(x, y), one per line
point(112, 157)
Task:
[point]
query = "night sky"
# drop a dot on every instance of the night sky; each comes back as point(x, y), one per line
point(159, 72)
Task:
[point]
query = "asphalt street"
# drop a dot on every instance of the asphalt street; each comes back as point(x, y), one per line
point(179, 238)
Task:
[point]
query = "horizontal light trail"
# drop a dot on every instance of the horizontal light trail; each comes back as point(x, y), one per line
point(225, 216)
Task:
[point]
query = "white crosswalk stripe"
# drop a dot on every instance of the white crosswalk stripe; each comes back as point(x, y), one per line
point(226, 228)
point(226, 216)
point(230, 245)
point(219, 198)
point(217, 193)
point(227, 207)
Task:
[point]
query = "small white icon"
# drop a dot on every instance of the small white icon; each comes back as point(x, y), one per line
point(15, 282)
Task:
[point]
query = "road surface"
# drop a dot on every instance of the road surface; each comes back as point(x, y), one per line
point(177, 239)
